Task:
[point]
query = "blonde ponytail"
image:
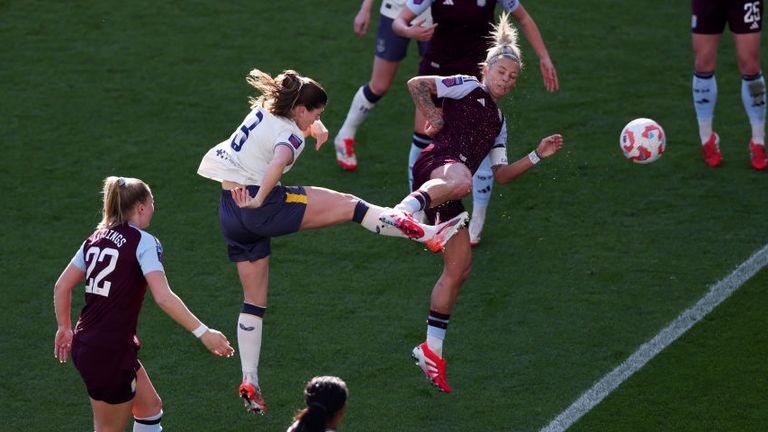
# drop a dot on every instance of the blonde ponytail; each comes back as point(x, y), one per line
point(505, 42)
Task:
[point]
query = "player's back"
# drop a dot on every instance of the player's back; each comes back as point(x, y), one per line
point(114, 283)
point(461, 33)
point(245, 156)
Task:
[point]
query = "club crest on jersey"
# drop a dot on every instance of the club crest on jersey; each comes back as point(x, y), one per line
point(452, 81)
point(295, 141)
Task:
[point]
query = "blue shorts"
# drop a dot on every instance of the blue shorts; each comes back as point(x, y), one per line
point(391, 46)
point(248, 231)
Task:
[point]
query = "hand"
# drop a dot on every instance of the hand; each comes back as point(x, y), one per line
point(549, 146)
point(419, 32)
point(361, 21)
point(549, 74)
point(217, 343)
point(62, 344)
point(243, 199)
point(319, 132)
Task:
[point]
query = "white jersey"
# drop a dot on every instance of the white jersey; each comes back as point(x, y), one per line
point(244, 157)
point(391, 9)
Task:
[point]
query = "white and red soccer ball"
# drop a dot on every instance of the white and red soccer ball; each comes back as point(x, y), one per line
point(643, 141)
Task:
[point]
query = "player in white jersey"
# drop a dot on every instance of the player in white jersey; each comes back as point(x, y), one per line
point(391, 49)
point(254, 206)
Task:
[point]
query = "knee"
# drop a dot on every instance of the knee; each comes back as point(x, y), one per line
point(379, 88)
point(704, 65)
point(749, 66)
point(459, 272)
point(148, 408)
point(460, 187)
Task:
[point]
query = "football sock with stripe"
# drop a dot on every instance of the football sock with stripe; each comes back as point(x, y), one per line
point(367, 215)
point(414, 202)
point(362, 104)
point(249, 329)
point(437, 325)
point(148, 424)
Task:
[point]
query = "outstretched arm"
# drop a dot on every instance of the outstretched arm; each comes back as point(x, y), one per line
point(422, 88)
point(546, 148)
point(172, 305)
point(531, 31)
point(62, 304)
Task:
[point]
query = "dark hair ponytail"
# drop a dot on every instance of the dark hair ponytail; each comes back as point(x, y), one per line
point(325, 396)
point(285, 92)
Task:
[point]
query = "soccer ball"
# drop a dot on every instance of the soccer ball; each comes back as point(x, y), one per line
point(642, 141)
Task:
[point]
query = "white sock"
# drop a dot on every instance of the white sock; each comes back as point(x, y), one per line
point(705, 130)
point(482, 184)
point(477, 222)
point(372, 223)
point(153, 426)
point(435, 345)
point(412, 156)
point(358, 112)
point(418, 143)
point(753, 98)
point(249, 329)
point(704, 100)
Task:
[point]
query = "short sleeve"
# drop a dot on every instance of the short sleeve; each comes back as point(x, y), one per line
point(418, 6)
point(498, 153)
point(510, 5)
point(149, 254)
point(293, 141)
point(79, 259)
point(455, 86)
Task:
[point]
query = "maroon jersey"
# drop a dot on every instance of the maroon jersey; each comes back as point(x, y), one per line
point(474, 128)
point(460, 41)
point(473, 123)
point(115, 261)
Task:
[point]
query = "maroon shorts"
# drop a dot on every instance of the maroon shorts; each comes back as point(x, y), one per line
point(742, 16)
point(109, 372)
point(422, 171)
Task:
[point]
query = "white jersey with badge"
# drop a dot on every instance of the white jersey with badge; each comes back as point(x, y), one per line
point(458, 86)
point(244, 157)
point(391, 9)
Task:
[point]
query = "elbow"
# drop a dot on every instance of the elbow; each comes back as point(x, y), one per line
point(163, 300)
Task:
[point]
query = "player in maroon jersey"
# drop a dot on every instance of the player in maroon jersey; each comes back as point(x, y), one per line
point(458, 46)
point(117, 262)
point(745, 20)
point(467, 127)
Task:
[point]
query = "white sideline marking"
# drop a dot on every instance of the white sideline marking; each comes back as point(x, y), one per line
point(716, 295)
